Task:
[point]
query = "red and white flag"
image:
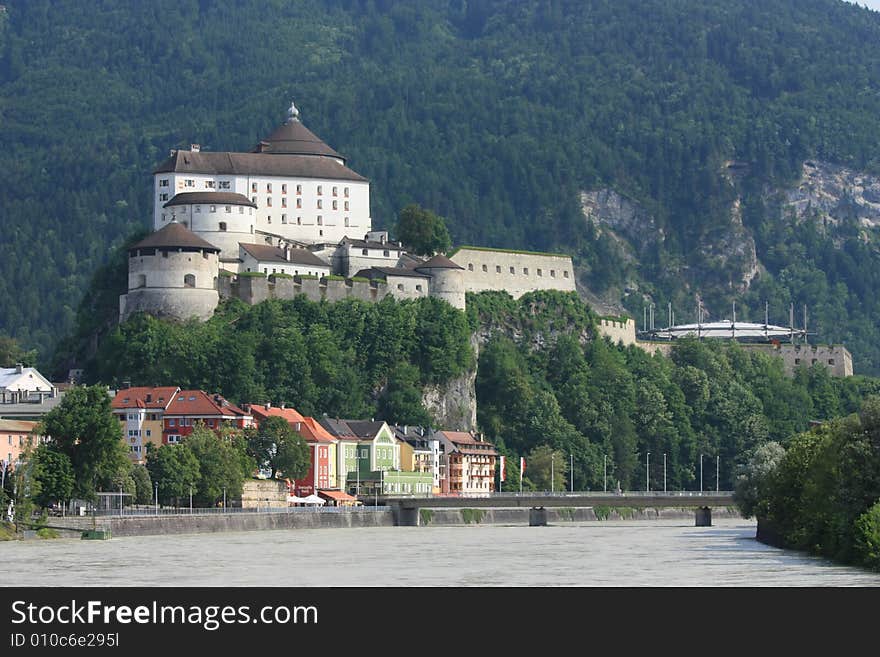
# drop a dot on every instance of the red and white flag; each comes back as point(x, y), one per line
point(503, 471)
point(522, 466)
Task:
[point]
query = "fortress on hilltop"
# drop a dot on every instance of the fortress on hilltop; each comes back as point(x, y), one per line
point(287, 218)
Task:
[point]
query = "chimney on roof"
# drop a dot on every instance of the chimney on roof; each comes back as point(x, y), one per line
point(297, 425)
point(268, 404)
point(195, 148)
point(282, 405)
point(18, 368)
point(287, 251)
point(149, 397)
point(405, 429)
point(125, 384)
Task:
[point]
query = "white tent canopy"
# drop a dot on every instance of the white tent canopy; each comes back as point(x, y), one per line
point(293, 499)
point(313, 499)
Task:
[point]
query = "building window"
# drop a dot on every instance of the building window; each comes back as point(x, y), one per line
point(171, 422)
point(539, 272)
point(470, 266)
point(189, 182)
point(228, 209)
point(268, 201)
point(552, 273)
point(189, 280)
point(797, 361)
point(240, 210)
point(283, 188)
point(831, 361)
point(365, 252)
point(418, 288)
point(164, 254)
point(485, 268)
point(163, 182)
point(163, 217)
point(299, 221)
point(209, 184)
point(283, 201)
point(320, 220)
point(335, 206)
point(283, 218)
point(565, 273)
point(497, 269)
point(253, 200)
point(346, 222)
point(386, 253)
point(299, 202)
point(224, 184)
point(223, 226)
point(299, 189)
point(199, 209)
point(345, 192)
point(334, 191)
point(400, 286)
point(320, 187)
point(512, 270)
point(213, 208)
point(268, 219)
point(254, 188)
point(268, 188)
point(163, 197)
point(320, 207)
point(526, 271)
point(321, 233)
point(346, 206)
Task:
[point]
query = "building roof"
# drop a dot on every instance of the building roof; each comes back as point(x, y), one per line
point(200, 403)
point(338, 428)
point(337, 496)
point(261, 412)
point(365, 428)
point(174, 235)
point(144, 397)
point(439, 261)
point(487, 450)
point(16, 426)
point(370, 244)
point(207, 198)
point(18, 378)
point(460, 437)
point(293, 138)
point(257, 164)
point(269, 253)
point(385, 272)
point(311, 430)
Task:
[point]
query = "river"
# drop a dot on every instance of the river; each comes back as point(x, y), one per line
point(613, 553)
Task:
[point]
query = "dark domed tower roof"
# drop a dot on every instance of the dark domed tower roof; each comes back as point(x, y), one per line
point(174, 236)
point(439, 261)
point(293, 138)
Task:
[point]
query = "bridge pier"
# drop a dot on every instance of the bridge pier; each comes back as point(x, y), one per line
point(703, 516)
point(537, 516)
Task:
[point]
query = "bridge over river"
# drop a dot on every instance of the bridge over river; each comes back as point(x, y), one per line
point(406, 509)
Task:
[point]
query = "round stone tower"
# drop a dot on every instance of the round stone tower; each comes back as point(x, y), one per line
point(447, 280)
point(222, 218)
point(171, 274)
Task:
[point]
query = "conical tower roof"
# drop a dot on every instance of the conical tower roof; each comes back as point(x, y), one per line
point(174, 235)
point(293, 138)
point(439, 261)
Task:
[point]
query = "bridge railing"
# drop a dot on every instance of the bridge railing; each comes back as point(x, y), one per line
point(532, 494)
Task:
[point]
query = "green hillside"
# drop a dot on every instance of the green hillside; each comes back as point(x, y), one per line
point(496, 115)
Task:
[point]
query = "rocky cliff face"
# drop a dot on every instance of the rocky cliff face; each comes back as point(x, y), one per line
point(454, 404)
point(832, 194)
point(621, 217)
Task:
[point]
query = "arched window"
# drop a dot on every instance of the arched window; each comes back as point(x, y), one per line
point(189, 280)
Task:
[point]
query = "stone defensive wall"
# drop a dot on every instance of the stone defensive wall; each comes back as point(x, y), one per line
point(515, 272)
point(456, 517)
point(618, 329)
point(255, 289)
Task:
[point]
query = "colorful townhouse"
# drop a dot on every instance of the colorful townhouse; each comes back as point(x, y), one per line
point(140, 411)
point(189, 407)
point(420, 452)
point(16, 437)
point(470, 463)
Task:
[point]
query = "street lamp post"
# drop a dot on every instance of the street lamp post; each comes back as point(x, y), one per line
point(120, 499)
point(664, 472)
point(551, 471)
point(647, 472)
point(717, 472)
point(571, 472)
point(701, 473)
point(605, 473)
point(157, 497)
point(224, 499)
point(190, 498)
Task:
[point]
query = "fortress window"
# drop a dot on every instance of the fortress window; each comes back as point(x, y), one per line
point(299, 221)
point(268, 188)
point(198, 208)
point(213, 208)
point(189, 182)
point(346, 221)
point(419, 288)
point(283, 218)
point(400, 286)
point(319, 204)
point(814, 361)
point(797, 361)
point(470, 266)
point(334, 191)
point(831, 361)
point(513, 270)
point(223, 225)
point(345, 192)
point(320, 187)
point(209, 184)
point(320, 220)
point(299, 202)
point(189, 280)
point(365, 252)
point(485, 268)
point(346, 206)
point(269, 219)
point(205, 255)
point(254, 188)
point(299, 189)
point(224, 184)
point(228, 209)
point(240, 209)
point(163, 197)
point(254, 200)
point(526, 271)
point(163, 182)
point(164, 254)
point(163, 217)
point(552, 273)
point(321, 233)
point(539, 272)
point(284, 202)
point(497, 269)
point(335, 205)
point(284, 188)
point(565, 273)
point(386, 253)
point(268, 201)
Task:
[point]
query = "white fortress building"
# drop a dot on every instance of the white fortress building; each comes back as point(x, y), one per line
point(291, 185)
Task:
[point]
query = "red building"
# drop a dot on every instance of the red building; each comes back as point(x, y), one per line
point(193, 406)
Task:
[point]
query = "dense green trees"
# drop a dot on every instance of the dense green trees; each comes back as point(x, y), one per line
point(422, 231)
point(821, 495)
point(275, 446)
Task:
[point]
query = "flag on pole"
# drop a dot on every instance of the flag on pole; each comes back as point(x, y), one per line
point(503, 473)
point(522, 466)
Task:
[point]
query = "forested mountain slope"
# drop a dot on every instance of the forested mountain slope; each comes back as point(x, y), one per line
point(497, 115)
